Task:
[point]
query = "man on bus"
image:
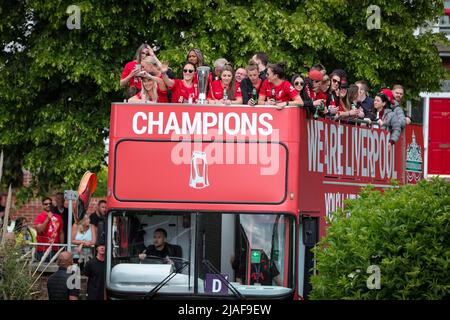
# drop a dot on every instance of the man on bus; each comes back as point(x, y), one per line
point(161, 248)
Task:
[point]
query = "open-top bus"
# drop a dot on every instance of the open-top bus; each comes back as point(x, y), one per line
point(243, 193)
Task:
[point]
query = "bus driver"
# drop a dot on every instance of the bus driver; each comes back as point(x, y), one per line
point(161, 248)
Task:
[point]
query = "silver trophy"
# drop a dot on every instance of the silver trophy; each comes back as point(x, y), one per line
point(202, 79)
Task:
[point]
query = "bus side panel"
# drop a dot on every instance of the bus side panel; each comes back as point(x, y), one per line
point(439, 136)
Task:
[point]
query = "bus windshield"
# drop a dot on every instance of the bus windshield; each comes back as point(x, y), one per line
point(202, 253)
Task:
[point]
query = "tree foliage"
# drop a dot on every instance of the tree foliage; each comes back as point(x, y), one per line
point(404, 231)
point(57, 84)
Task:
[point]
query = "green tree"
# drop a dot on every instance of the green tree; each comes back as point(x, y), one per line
point(57, 84)
point(404, 231)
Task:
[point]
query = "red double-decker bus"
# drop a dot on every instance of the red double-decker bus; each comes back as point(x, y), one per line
point(242, 192)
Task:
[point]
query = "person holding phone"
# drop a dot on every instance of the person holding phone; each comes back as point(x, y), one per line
point(130, 78)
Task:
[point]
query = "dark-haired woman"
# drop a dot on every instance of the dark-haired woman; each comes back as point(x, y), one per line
point(278, 91)
point(349, 107)
point(183, 90)
point(385, 117)
point(195, 57)
point(226, 90)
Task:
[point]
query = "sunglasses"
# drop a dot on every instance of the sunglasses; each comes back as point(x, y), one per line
point(335, 81)
point(146, 53)
point(188, 70)
point(299, 83)
point(47, 204)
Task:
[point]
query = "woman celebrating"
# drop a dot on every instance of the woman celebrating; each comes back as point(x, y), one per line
point(153, 68)
point(277, 91)
point(185, 90)
point(149, 91)
point(131, 71)
point(226, 90)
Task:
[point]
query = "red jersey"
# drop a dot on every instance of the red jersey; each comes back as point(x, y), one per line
point(320, 95)
point(51, 233)
point(216, 91)
point(181, 93)
point(284, 92)
point(127, 70)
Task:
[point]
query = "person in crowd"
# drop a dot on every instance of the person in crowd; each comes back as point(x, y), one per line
point(62, 211)
point(225, 90)
point(183, 90)
point(385, 117)
point(149, 92)
point(399, 92)
point(219, 65)
point(333, 96)
point(276, 90)
point(57, 283)
point(395, 107)
point(299, 83)
point(84, 235)
point(49, 227)
point(240, 74)
point(98, 219)
point(23, 232)
point(153, 68)
point(309, 83)
point(325, 84)
point(195, 57)
point(161, 248)
point(316, 78)
point(95, 271)
point(251, 86)
point(262, 61)
point(130, 75)
point(366, 101)
point(350, 107)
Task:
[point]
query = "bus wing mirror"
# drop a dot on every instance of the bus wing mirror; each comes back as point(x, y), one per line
point(310, 231)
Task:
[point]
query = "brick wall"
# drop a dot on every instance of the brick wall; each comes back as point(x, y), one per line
point(34, 207)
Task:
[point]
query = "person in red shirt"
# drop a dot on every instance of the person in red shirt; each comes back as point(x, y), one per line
point(277, 91)
point(183, 90)
point(153, 67)
point(149, 92)
point(316, 92)
point(226, 90)
point(130, 74)
point(49, 227)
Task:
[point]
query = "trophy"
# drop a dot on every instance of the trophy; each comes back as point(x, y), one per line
point(202, 79)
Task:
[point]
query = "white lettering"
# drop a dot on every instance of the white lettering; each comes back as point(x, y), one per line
point(135, 123)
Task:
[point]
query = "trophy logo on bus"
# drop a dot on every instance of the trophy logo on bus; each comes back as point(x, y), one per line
point(199, 171)
point(202, 79)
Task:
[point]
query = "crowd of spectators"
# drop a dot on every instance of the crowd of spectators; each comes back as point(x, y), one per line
point(324, 94)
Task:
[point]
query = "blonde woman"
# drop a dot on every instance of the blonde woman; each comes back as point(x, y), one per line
point(84, 234)
point(132, 69)
point(149, 92)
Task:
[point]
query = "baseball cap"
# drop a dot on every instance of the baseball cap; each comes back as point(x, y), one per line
point(388, 93)
point(315, 75)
